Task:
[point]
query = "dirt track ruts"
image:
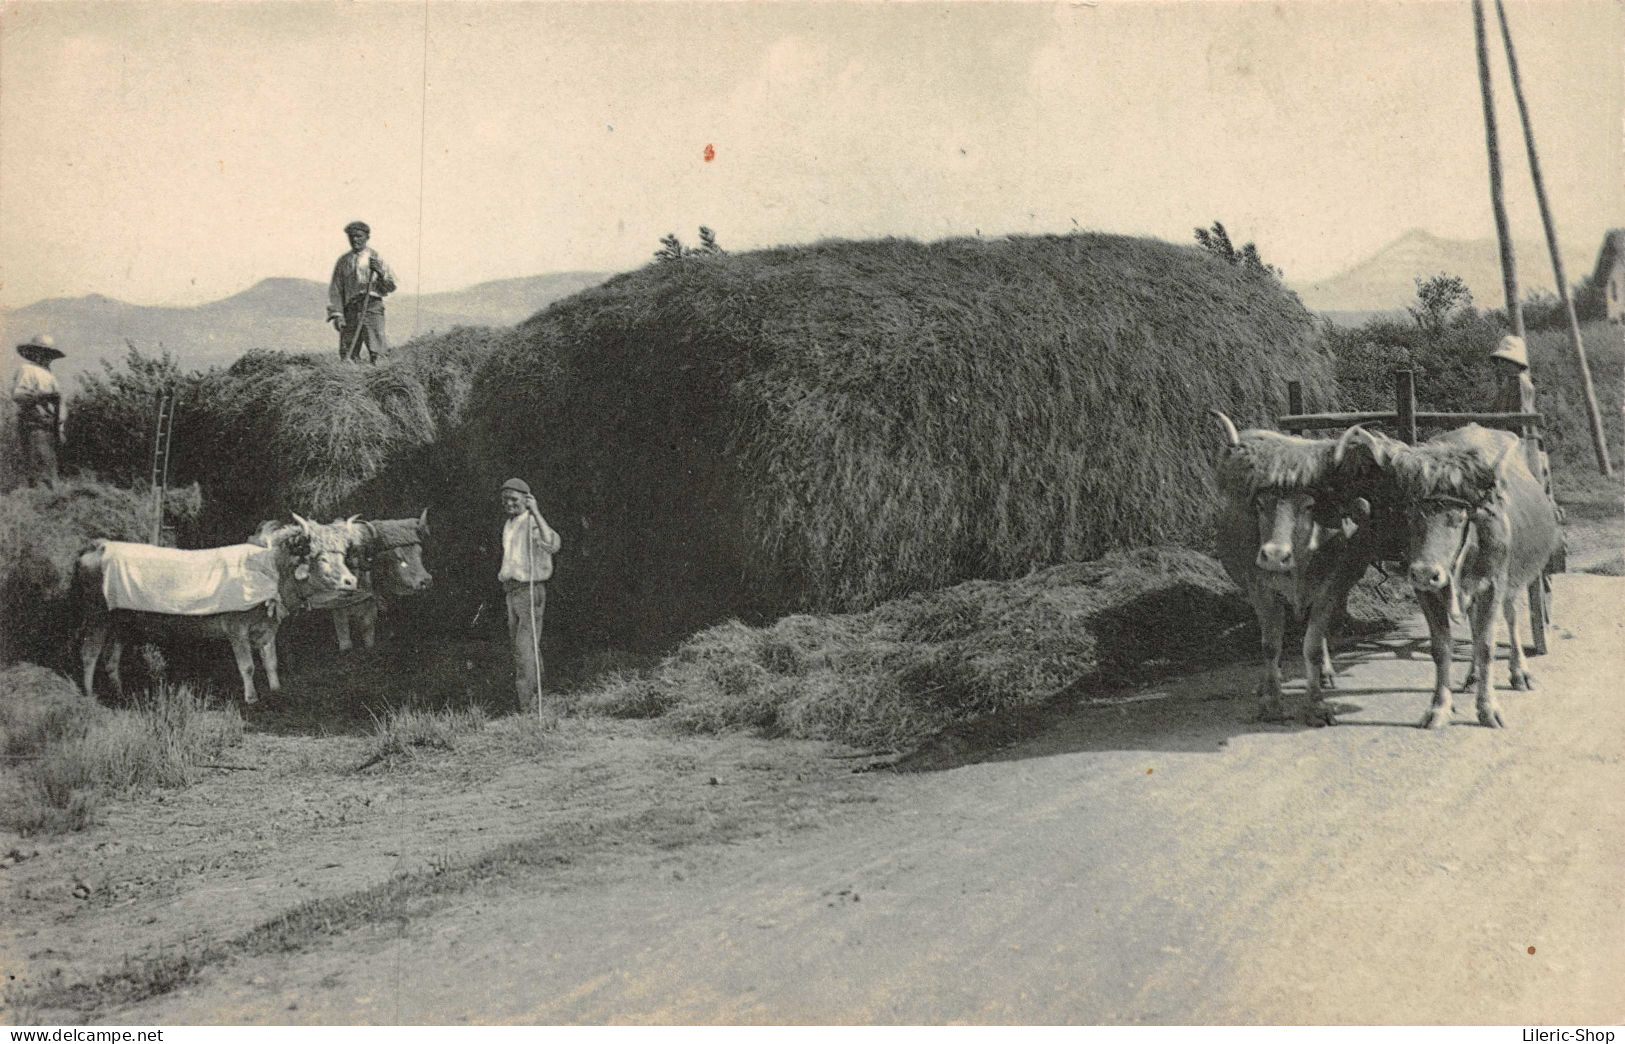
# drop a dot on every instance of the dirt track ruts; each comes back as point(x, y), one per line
point(1153, 861)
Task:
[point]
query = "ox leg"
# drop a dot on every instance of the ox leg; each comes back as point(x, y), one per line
point(244, 652)
point(1328, 675)
point(1522, 680)
point(341, 628)
point(367, 615)
point(268, 657)
point(1271, 624)
point(1317, 665)
point(1484, 614)
point(91, 641)
point(111, 660)
point(1438, 618)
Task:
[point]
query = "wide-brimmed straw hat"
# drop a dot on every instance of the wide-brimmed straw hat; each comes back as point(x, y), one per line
point(41, 348)
point(1513, 350)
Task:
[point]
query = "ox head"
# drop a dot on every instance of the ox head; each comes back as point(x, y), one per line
point(392, 550)
point(1284, 479)
point(1454, 514)
point(321, 564)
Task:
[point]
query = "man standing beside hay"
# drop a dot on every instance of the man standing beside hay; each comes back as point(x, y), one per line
point(528, 547)
point(355, 296)
point(39, 408)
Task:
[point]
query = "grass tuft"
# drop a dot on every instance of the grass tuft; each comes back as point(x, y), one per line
point(69, 753)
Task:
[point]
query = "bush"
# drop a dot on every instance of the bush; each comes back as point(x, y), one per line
point(829, 426)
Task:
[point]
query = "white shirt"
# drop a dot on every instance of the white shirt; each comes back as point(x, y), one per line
point(33, 380)
point(519, 537)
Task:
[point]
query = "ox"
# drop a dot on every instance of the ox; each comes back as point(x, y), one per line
point(1295, 530)
point(270, 582)
point(1481, 529)
point(387, 557)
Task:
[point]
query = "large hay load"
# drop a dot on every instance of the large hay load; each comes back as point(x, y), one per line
point(828, 426)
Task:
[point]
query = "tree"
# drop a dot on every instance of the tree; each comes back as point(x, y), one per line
point(671, 248)
point(1438, 300)
point(708, 242)
point(1216, 241)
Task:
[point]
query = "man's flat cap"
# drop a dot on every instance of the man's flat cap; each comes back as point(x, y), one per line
point(517, 485)
point(357, 226)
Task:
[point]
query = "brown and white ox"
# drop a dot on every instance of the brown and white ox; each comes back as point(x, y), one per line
point(1294, 531)
point(387, 558)
point(1481, 529)
point(307, 559)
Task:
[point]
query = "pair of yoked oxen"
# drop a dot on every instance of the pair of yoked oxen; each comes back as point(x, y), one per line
point(348, 566)
point(1300, 520)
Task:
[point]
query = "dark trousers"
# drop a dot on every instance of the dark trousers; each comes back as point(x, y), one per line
point(372, 330)
point(38, 452)
point(527, 662)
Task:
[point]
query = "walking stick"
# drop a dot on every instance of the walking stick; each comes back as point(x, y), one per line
point(535, 636)
point(361, 320)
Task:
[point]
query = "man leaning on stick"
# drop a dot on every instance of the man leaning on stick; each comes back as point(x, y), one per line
point(355, 296)
point(528, 547)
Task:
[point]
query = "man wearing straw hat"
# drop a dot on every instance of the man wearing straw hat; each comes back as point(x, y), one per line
point(355, 296)
point(528, 547)
point(39, 408)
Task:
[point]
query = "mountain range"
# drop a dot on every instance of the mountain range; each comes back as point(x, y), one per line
point(287, 313)
point(1386, 281)
point(284, 314)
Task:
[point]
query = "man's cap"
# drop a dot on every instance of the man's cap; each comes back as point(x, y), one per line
point(1513, 350)
point(357, 226)
point(517, 485)
point(40, 347)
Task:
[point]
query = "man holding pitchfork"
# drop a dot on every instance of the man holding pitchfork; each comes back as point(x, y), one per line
point(355, 296)
point(528, 547)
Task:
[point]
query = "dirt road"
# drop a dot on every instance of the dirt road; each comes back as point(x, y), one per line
point(1159, 860)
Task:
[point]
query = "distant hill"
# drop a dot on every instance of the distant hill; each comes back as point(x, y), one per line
point(1386, 281)
point(286, 314)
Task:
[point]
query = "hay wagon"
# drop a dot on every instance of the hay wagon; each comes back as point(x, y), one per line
point(1406, 422)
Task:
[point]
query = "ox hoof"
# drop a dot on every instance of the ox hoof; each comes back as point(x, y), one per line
point(1270, 711)
point(1522, 681)
point(251, 700)
point(1490, 718)
point(1437, 718)
point(1319, 715)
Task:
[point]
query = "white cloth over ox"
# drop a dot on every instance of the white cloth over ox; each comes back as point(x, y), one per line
point(187, 583)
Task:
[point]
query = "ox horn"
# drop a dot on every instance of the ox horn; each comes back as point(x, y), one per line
point(1342, 448)
point(304, 523)
point(1232, 438)
point(1502, 458)
point(423, 522)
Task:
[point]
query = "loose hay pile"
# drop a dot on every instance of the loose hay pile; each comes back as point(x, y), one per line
point(825, 427)
point(892, 675)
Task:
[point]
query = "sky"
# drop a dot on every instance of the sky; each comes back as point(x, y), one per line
point(176, 153)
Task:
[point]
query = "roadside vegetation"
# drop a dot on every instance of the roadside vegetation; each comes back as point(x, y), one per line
point(65, 754)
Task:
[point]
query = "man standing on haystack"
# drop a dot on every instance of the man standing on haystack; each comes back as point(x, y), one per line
point(40, 412)
point(528, 547)
point(355, 296)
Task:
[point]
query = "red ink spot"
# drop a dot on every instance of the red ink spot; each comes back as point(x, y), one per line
point(1531, 951)
point(710, 153)
point(1149, 771)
